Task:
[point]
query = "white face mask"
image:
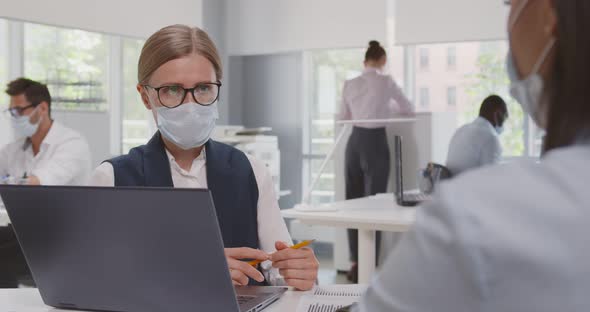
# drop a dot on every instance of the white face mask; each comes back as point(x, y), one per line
point(189, 125)
point(528, 91)
point(22, 126)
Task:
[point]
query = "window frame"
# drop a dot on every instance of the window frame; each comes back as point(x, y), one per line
point(528, 127)
point(114, 75)
point(104, 106)
point(451, 65)
point(424, 97)
point(454, 97)
point(424, 58)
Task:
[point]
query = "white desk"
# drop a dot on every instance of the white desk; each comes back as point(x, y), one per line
point(367, 215)
point(29, 300)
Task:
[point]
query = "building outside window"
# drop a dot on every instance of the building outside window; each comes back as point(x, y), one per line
point(424, 98)
point(424, 58)
point(138, 124)
point(451, 58)
point(480, 72)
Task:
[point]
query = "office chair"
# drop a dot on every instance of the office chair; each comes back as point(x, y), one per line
point(433, 175)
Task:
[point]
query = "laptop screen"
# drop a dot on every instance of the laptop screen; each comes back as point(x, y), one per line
point(399, 180)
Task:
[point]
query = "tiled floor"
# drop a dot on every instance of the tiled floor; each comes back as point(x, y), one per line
point(327, 273)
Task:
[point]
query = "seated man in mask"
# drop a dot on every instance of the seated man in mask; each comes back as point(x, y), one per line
point(477, 144)
point(44, 153)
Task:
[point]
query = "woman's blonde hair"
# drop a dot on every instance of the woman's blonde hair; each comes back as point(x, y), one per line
point(174, 42)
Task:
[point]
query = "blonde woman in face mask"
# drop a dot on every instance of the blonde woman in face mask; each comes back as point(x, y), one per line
point(180, 78)
point(512, 237)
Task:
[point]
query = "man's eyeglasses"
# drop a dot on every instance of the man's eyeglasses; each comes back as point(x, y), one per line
point(173, 95)
point(18, 111)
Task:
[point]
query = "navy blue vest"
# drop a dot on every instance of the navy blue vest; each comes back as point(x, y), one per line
point(230, 179)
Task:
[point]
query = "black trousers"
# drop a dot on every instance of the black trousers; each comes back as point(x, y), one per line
point(367, 172)
point(13, 266)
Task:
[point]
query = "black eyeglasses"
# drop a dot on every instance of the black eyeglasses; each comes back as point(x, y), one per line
point(172, 96)
point(18, 111)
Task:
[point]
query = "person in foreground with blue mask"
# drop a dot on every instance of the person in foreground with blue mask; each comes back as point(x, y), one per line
point(512, 237)
point(180, 76)
point(477, 144)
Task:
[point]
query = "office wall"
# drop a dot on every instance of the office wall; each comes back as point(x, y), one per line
point(270, 95)
point(432, 21)
point(236, 80)
point(134, 18)
point(94, 127)
point(214, 23)
point(274, 26)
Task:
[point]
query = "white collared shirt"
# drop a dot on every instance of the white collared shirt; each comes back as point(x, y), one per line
point(63, 158)
point(474, 145)
point(271, 226)
point(373, 95)
point(511, 238)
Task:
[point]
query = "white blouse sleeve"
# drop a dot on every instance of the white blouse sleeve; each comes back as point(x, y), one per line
point(104, 176)
point(271, 225)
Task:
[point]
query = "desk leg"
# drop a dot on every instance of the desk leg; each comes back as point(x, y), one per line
point(367, 253)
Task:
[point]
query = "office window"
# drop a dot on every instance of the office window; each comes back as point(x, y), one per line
point(482, 73)
point(4, 42)
point(424, 58)
point(451, 58)
point(73, 64)
point(328, 70)
point(452, 96)
point(424, 97)
point(138, 124)
point(5, 128)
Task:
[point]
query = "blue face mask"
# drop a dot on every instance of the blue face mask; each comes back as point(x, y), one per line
point(529, 90)
point(499, 129)
point(189, 125)
point(22, 126)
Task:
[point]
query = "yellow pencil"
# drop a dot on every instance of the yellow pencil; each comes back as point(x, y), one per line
point(297, 246)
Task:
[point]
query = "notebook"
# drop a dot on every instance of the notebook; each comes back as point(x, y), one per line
point(331, 298)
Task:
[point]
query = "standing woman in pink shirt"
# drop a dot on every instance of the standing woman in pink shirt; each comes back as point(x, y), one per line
point(372, 95)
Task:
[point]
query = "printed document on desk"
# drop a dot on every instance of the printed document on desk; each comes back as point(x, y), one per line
point(331, 298)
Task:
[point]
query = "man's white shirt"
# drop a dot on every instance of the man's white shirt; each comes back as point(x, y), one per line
point(63, 158)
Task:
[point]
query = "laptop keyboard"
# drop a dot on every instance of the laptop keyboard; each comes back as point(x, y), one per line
point(245, 299)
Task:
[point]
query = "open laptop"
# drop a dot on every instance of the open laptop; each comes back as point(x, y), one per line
point(127, 249)
point(407, 199)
